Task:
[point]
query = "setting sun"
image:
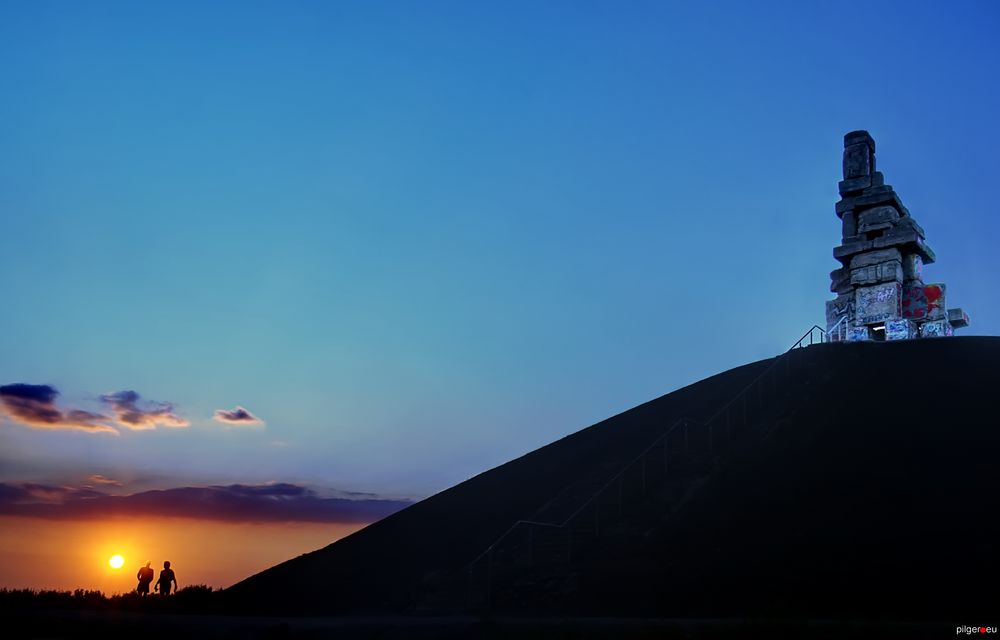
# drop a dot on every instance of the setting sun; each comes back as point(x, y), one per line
point(116, 561)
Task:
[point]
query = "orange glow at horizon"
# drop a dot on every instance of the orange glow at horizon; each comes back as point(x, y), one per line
point(66, 555)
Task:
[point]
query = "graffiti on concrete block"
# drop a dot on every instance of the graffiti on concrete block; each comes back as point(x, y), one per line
point(924, 302)
point(857, 334)
point(935, 329)
point(837, 309)
point(899, 329)
point(878, 303)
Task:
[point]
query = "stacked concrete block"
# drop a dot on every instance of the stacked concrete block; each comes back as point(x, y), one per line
point(880, 290)
point(913, 269)
point(936, 329)
point(924, 302)
point(901, 329)
point(857, 334)
point(877, 304)
point(958, 318)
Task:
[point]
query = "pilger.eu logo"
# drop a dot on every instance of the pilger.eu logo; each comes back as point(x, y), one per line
point(966, 630)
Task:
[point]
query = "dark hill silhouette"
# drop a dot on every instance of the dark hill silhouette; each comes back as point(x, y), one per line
point(847, 480)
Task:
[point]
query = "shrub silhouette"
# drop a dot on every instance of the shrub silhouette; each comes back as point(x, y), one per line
point(197, 598)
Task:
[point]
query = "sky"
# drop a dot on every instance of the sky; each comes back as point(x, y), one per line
point(311, 261)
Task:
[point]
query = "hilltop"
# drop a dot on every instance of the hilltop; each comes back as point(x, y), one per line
point(840, 481)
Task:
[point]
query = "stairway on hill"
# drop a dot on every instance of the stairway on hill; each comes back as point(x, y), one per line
point(389, 565)
point(873, 498)
point(541, 559)
point(861, 483)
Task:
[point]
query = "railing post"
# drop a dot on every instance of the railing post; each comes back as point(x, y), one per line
point(621, 494)
point(489, 579)
point(569, 543)
point(531, 545)
point(711, 443)
point(644, 476)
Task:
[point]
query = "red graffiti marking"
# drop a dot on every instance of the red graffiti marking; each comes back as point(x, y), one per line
point(933, 293)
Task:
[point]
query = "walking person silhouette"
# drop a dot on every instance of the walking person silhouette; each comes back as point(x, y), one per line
point(166, 577)
point(144, 576)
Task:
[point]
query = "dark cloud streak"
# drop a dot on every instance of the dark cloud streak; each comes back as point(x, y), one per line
point(239, 415)
point(281, 502)
point(34, 405)
point(131, 415)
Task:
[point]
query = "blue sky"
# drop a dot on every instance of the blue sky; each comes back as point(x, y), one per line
point(419, 239)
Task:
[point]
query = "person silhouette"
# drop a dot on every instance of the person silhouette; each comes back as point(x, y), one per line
point(144, 576)
point(166, 577)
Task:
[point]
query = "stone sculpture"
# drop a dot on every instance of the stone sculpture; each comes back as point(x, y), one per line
point(880, 290)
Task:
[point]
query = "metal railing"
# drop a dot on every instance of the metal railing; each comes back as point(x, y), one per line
point(838, 332)
point(719, 431)
point(815, 335)
point(681, 422)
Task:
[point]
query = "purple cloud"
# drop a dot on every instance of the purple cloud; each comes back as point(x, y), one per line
point(150, 414)
point(34, 405)
point(280, 502)
point(239, 415)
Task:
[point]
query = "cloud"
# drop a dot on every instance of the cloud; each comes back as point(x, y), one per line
point(238, 503)
point(42, 494)
point(99, 479)
point(34, 405)
point(239, 415)
point(279, 502)
point(131, 415)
